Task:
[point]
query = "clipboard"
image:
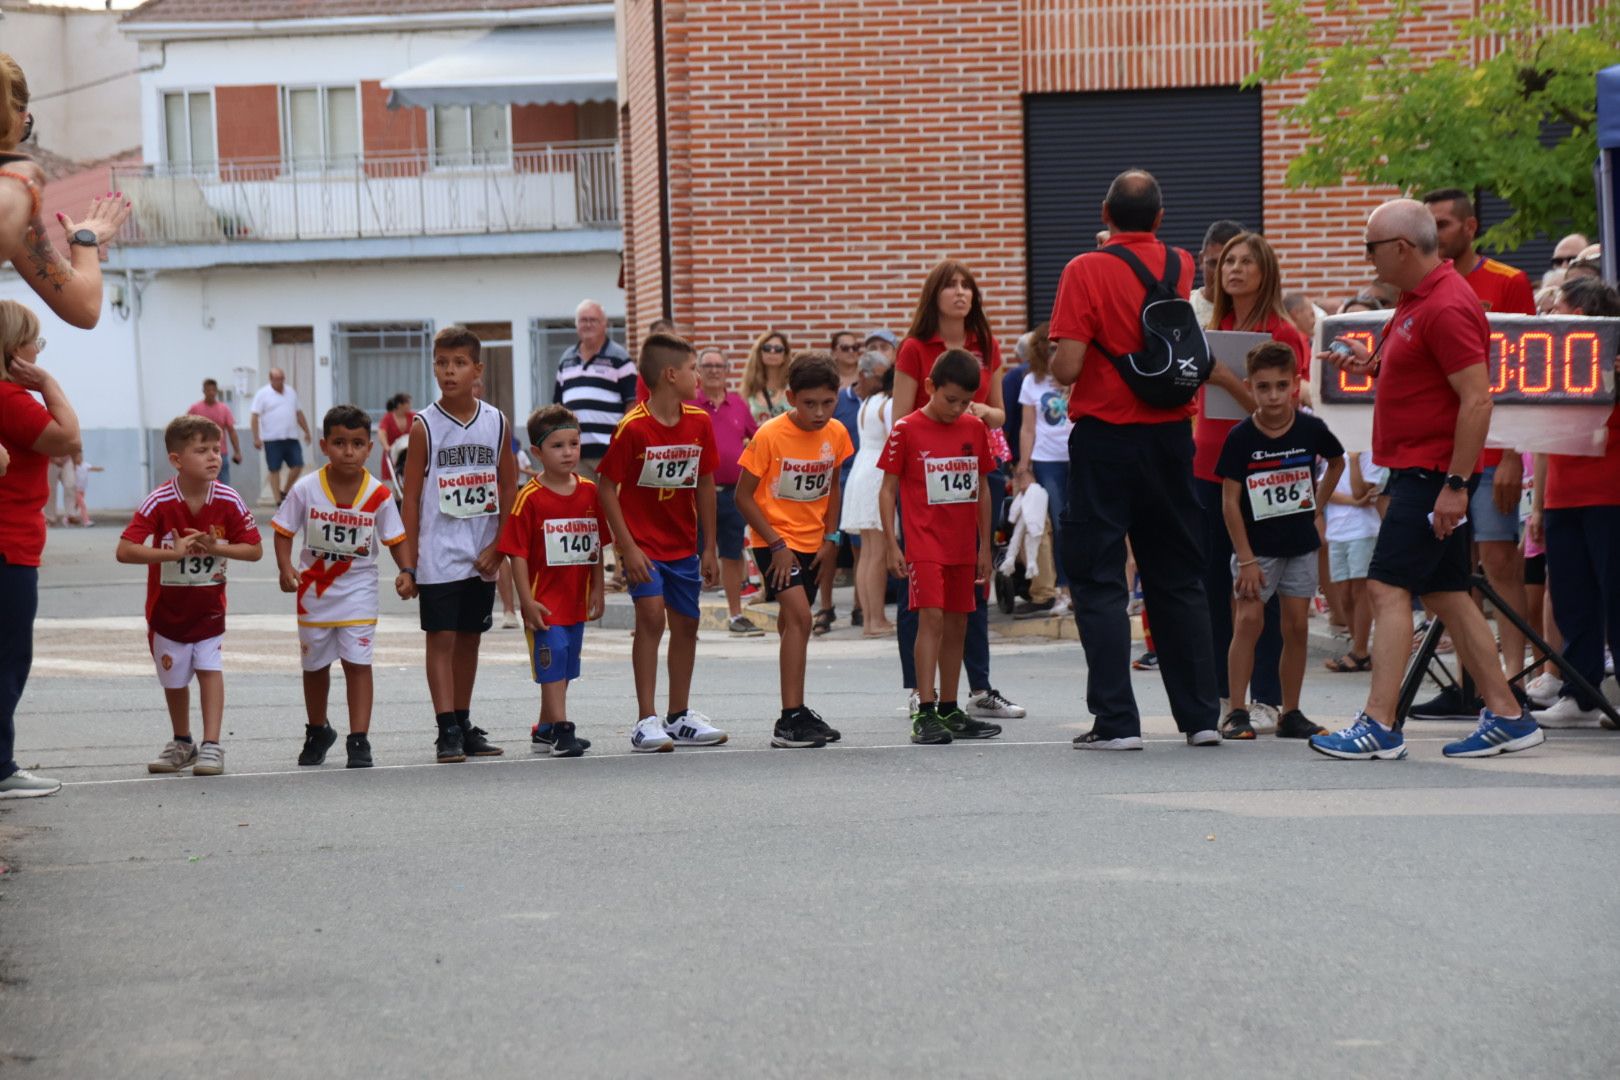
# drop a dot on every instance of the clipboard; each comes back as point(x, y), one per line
point(1229, 348)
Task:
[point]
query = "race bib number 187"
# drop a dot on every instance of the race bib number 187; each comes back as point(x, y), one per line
point(670, 467)
point(1281, 492)
point(951, 480)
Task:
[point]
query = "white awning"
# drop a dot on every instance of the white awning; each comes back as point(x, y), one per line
point(525, 65)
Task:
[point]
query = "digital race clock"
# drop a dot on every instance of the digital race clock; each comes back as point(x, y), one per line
point(1552, 381)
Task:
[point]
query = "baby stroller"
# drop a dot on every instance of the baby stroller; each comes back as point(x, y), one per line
point(1009, 587)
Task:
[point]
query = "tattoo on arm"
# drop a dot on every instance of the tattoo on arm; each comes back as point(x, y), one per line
point(46, 262)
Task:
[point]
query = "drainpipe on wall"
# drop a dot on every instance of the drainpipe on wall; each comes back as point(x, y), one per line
point(666, 242)
point(143, 437)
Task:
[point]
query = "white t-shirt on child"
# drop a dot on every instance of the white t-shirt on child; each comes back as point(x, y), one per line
point(1355, 522)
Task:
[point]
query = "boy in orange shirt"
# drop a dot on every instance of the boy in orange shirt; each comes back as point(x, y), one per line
point(554, 539)
point(934, 462)
point(788, 493)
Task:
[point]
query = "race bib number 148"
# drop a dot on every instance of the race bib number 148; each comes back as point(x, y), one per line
point(951, 480)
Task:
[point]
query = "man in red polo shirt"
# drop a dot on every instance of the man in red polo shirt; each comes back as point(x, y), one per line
point(1493, 510)
point(1130, 475)
point(1431, 411)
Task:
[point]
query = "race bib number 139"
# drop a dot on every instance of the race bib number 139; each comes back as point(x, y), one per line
point(194, 570)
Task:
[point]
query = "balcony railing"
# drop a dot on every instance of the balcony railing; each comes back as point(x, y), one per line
point(532, 188)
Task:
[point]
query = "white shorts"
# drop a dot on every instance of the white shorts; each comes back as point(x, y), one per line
point(320, 645)
point(176, 660)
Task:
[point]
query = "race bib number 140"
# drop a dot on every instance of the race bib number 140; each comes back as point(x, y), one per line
point(571, 541)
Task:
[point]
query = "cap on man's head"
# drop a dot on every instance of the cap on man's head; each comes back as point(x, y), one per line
point(882, 335)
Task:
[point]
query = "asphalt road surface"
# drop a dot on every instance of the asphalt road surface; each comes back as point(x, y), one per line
point(1014, 908)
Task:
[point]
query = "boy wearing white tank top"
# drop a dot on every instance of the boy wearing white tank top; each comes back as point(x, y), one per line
point(460, 478)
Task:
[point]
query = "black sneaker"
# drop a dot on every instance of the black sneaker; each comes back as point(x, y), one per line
point(928, 730)
point(475, 742)
point(541, 737)
point(359, 748)
point(1028, 609)
point(1448, 704)
point(1237, 725)
point(564, 743)
point(963, 726)
point(449, 747)
point(1293, 724)
point(1146, 662)
point(815, 723)
point(797, 732)
point(857, 617)
point(317, 741)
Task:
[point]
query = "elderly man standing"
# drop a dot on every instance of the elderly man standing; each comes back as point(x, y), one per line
point(277, 421)
point(1431, 411)
point(596, 379)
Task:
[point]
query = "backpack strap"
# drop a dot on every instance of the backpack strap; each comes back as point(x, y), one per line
point(1172, 266)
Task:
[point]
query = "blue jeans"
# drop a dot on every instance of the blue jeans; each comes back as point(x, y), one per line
point(19, 600)
point(1583, 575)
point(1053, 476)
point(1265, 684)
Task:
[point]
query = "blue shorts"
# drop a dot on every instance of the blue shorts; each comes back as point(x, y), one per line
point(554, 652)
point(279, 452)
point(1489, 522)
point(679, 582)
point(728, 522)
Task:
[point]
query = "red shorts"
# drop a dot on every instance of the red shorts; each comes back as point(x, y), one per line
point(948, 587)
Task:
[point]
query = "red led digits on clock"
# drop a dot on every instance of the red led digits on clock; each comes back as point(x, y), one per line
point(1587, 343)
point(1527, 345)
point(1357, 384)
point(1500, 355)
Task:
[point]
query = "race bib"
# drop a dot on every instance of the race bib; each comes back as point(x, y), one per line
point(951, 480)
point(194, 570)
point(571, 541)
point(468, 493)
point(339, 534)
point(1281, 492)
point(804, 481)
point(671, 467)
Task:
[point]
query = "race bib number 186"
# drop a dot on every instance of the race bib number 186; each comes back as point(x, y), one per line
point(1280, 492)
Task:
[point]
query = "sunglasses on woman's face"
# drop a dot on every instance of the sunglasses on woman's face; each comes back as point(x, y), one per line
point(772, 348)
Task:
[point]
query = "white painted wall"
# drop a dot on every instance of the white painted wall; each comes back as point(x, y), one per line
point(61, 49)
point(197, 325)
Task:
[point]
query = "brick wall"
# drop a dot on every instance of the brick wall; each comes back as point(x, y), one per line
point(532, 124)
point(823, 154)
point(392, 133)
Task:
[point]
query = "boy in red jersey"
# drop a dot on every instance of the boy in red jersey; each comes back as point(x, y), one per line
point(196, 526)
point(656, 482)
point(345, 515)
point(554, 539)
point(933, 461)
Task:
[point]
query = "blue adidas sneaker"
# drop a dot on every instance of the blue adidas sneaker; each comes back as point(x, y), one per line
point(1497, 735)
point(1366, 739)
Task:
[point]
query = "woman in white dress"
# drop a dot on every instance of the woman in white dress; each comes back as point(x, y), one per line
point(860, 508)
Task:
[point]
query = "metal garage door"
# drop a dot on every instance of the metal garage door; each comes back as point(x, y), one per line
point(1203, 145)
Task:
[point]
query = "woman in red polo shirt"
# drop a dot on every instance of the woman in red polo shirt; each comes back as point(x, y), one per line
point(31, 434)
point(1247, 297)
point(950, 315)
point(1576, 514)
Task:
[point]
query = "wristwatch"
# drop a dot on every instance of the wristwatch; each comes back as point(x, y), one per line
point(83, 238)
point(1455, 482)
point(411, 570)
point(835, 537)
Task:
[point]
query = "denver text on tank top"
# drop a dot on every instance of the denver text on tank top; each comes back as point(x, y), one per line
point(460, 511)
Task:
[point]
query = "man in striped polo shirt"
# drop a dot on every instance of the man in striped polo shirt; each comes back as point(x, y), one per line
point(596, 380)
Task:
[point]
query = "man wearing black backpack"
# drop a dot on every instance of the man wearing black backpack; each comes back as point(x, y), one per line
point(1129, 342)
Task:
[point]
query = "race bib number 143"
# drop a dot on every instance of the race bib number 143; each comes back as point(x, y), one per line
point(468, 493)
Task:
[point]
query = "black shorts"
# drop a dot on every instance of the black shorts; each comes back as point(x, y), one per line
point(1408, 555)
point(460, 606)
point(1535, 569)
point(803, 576)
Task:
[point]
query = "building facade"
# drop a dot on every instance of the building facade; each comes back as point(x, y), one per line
point(322, 187)
point(801, 164)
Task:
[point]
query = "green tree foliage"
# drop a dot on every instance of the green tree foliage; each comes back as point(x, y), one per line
point(1380, 113)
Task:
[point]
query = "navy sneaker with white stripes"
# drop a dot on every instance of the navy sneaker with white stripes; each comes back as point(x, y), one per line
point(1364, 740)
point(1497, 735)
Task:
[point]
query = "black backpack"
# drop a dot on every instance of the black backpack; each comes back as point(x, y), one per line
point(1174, 360)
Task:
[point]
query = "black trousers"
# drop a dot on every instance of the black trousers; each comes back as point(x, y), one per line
point(1136, 481)
point(19, 600)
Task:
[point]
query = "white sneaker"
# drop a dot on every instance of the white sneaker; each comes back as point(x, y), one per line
point(912, 701)
point(1262, 717)
point(649, 737)
point(210, 760)
point(1567, 713)
point(694, 729)
point(23, 784)
point(1206, 737)
point(1544, 689)
point(990, 703)
point(1062, 607)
